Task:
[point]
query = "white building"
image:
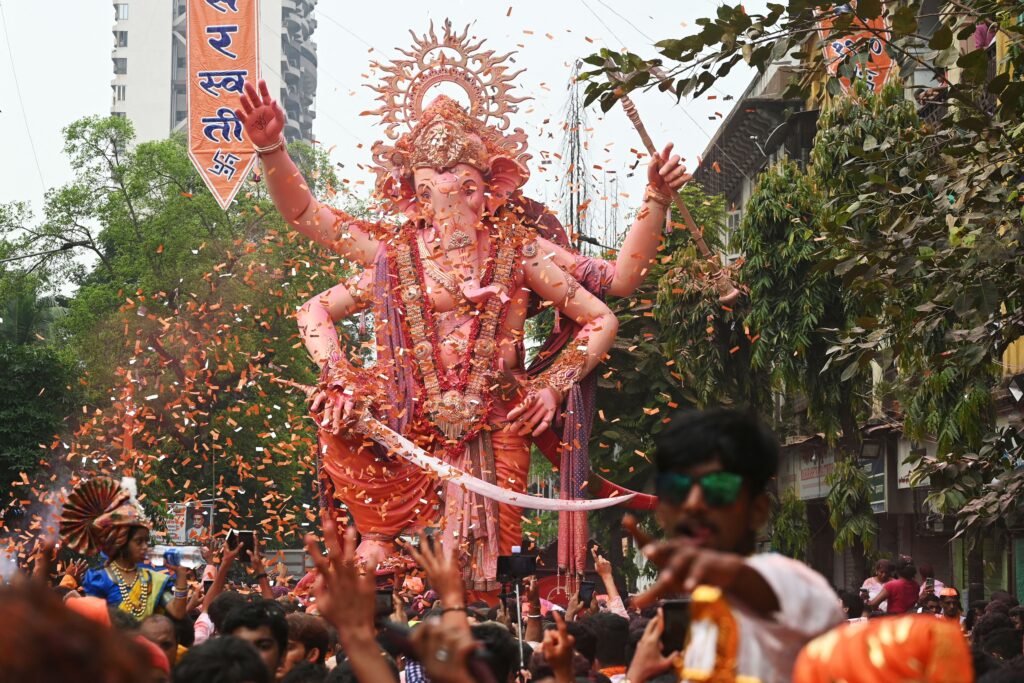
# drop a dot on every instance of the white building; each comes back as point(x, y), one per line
point(150, 55)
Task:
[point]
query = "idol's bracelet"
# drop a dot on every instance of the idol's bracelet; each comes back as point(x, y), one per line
point(539, 384)
point(273, 147)
point(566, 371)
point(336, 374)
point(653, 194)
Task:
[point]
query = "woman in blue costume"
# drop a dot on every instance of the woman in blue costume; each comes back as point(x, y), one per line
point(100, 516)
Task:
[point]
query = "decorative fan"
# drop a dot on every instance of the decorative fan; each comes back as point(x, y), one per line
point(89, 501)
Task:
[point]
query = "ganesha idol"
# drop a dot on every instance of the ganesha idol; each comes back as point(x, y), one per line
point(451, 281)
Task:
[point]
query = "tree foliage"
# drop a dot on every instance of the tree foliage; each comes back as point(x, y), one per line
point(849, 507)
point(921, 223)
point(39, 394)
point(789, 529)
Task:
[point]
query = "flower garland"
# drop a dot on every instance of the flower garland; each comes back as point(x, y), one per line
point(454, 408)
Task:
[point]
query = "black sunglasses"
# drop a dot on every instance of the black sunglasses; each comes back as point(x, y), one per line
point(719, 488)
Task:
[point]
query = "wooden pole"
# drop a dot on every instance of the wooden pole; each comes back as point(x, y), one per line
point(728, 293)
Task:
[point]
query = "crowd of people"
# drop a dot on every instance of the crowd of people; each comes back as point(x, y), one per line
point(717, 611)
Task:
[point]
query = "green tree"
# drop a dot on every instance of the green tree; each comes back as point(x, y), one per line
point(788, 528)
point(38, 381)
point(922, 222)
point(849, 507)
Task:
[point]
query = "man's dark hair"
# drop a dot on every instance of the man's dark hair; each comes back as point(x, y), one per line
point(221, 605)
point(306, 672)
point(185, 630)
point(989, 624)
point(853, 603)
point(1009, 672)
point(1004, 596)
point(502, 649)
point(311, 631)
point(343, 673)
point(586, 639)
point(739, 441)
point(122, 621)
point(612, 633)
point(259, 613)
point(1003, 643)
point(906, 569)
point(637, 628)
point(221, 660)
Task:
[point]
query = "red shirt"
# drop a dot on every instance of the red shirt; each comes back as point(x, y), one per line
point(903, 594)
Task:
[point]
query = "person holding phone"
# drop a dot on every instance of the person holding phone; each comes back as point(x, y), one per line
point(102, 517)
point(750, 613)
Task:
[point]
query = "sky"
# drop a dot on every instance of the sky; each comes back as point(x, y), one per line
point(43, 91)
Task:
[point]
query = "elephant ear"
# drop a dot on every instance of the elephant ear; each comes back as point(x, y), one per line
point(507, 175)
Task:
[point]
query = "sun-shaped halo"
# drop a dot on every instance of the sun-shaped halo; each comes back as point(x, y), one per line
point(452, 58)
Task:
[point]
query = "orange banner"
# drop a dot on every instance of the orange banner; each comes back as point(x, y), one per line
point(871, 36)
point(223, 55)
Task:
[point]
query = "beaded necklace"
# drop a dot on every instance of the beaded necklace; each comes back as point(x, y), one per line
point(137, 610)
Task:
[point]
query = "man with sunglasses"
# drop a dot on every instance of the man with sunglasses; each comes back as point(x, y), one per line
point(750, 613)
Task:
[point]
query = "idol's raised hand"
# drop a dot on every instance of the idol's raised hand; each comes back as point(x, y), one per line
point(261, 116)
point(665, 172)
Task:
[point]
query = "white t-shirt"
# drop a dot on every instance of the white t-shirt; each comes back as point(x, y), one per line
point(768, 648)
point(873, 586)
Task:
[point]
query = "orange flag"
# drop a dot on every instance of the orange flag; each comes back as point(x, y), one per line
point(866, 37)
point(223, 55)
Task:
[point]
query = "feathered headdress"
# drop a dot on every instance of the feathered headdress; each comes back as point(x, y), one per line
point(99, 516)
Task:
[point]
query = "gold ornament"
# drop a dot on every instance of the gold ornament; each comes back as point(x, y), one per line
point(444, 134)
point(458, 240)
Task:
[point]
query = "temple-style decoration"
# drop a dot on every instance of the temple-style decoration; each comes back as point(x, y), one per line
point(437, 433)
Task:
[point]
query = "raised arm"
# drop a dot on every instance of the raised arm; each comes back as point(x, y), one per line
point(316, 319)
point(598, 327)
point(665, 174)
point(264, 121)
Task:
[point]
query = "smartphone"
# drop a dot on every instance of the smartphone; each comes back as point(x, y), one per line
point(247, 539)
point(516, 567)
point(587, 592)
point(384, 605)
point(206, 585)
point(677, 625)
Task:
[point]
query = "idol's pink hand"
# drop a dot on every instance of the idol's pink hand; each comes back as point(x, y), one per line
point(665, 172)
point(535, 413)
point(261, 116)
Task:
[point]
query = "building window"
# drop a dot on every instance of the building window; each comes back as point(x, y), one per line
point(120, 38)
point(120, 66)
point(119, 92)
point(120, 11)
point(119, 114)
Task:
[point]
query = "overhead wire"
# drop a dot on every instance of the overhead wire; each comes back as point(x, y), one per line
point(21, 100)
